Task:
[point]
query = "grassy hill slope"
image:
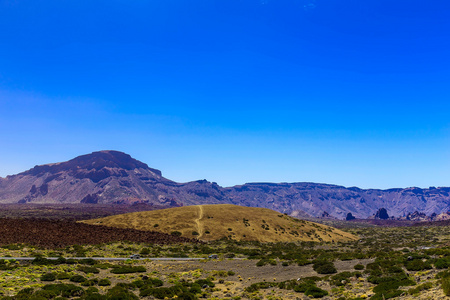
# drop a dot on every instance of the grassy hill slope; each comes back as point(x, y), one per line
point(212, 222)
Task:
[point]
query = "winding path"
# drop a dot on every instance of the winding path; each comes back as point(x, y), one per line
point(199, 225)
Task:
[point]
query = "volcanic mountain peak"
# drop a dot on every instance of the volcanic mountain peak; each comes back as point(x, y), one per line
point(94, 161)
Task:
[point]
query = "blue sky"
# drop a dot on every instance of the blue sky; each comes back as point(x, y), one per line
point(354, 93)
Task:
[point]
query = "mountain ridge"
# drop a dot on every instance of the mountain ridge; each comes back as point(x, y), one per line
point(110, 177)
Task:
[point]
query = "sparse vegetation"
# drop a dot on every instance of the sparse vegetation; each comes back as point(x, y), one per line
point(384, 263)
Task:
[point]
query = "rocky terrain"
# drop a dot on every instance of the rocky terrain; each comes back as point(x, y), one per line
point(54, 234)
point(112, 177)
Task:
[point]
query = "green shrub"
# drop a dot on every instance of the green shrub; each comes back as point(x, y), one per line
point(339, 278)
point(63, 276)
point(128, 269)
point(419, 288)
point(64, 290)
point(120, 293)
point(443, 274)
point(41, 261)
point(359, 267)
point(88, 261)
point(445, 284)
point(153, 282)
point(176, 233)
point(266, 261)
point(203, 282)
point(259, 285)
point(417, 265)
point(88, 269)
point(145, 251)
point(324, 267)
point(77, 278)
point(163, 292)
point(48, 277)
point(104, 282)
point(90, 282)
point(303, 287)
point(442, 263)
point(316, 292)
point(303, 262)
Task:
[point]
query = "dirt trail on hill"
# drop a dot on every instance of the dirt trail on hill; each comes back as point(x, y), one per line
point(199, 224)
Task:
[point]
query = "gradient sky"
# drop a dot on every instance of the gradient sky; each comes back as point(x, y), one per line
point(355, 93)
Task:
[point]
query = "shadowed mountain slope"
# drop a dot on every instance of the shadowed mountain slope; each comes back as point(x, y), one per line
point(212, 222)
point(109, 177)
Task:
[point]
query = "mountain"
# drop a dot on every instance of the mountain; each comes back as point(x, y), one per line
point(103, 177)
point(213, 222)
point(108, 177)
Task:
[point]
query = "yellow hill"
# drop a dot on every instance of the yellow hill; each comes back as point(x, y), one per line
point(212, 222)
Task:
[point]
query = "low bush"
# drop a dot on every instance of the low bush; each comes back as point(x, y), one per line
point(104, 282)
point(203, 282)
point(63, 276)
point(260, 285)
point(266, 261)
point(87, 261)
point(443, 274)
point(445, 284)
point(64, 290)
point(145, 251)
point(128, 269)
point(48, 277)
point(442, 263)
point(315, 292)
point(417, 265)
point(120, 292)
point(419, 288)
point(324, 267)
point(88, 269)
point(341, 278)
point(90, 282)
point(77, 278)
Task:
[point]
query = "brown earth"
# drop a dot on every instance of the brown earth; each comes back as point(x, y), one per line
point(60, 234)
point(73, 212)
point(213, 222)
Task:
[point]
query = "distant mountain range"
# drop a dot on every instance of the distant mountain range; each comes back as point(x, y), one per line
point(115, 177)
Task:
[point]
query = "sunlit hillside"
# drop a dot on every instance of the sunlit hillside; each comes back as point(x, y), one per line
point(212, 222)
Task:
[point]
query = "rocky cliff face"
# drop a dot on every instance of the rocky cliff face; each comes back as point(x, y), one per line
point(115, 177)
point(338, 201)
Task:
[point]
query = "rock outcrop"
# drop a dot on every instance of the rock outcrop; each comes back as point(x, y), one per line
point(381, 214)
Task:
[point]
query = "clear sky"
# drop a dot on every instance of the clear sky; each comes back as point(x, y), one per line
point(355, 93)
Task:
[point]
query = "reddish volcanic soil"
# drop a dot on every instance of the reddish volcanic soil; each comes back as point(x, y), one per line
point(60, 233)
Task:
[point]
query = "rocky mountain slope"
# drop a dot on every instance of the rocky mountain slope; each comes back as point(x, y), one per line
point(115, 177)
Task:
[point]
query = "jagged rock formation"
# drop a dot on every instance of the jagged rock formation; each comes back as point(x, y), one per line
point(445, 216)
point(417, 216)
point(114, 177)
point(381, 214)
point(349, 217)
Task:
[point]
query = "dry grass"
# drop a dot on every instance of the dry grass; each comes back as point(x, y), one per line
point(213, 222)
